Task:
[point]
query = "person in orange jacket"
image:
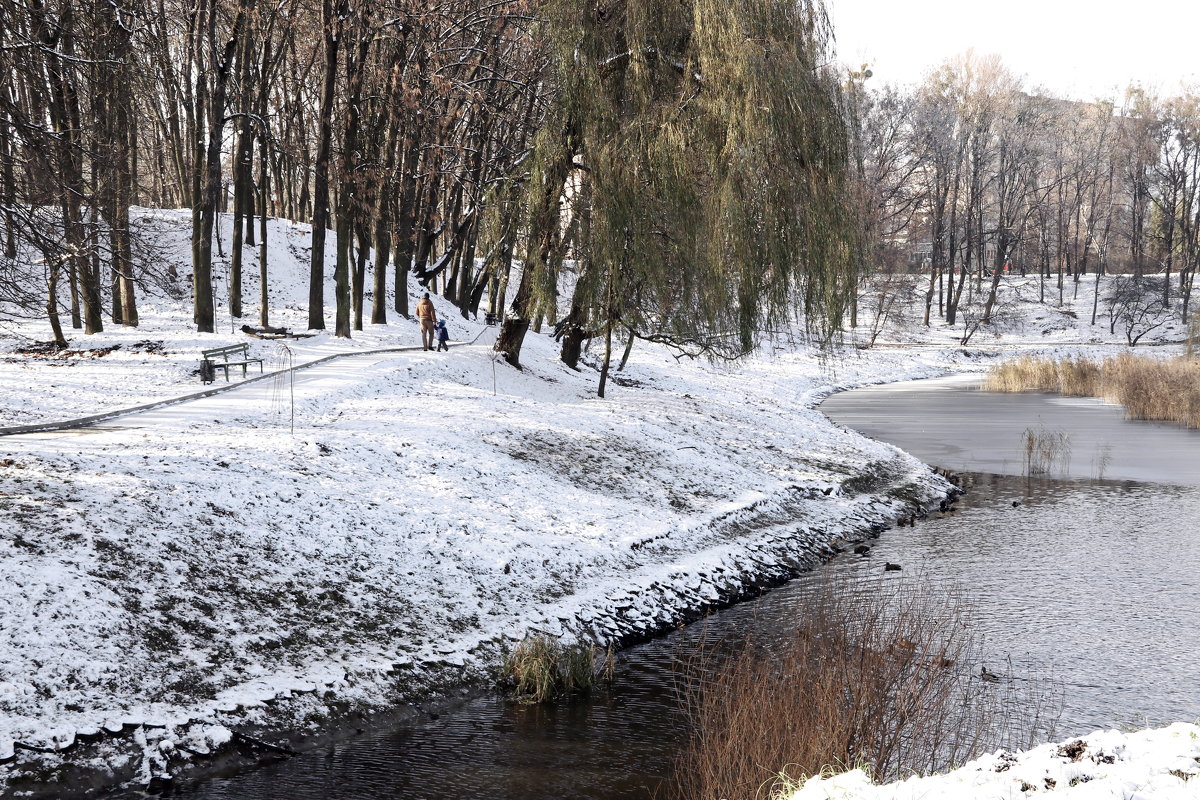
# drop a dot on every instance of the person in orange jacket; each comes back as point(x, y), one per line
point(428, 318)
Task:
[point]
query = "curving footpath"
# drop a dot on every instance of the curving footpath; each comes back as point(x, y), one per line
point(93, 419)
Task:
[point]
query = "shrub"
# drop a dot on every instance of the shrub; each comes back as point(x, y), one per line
point(1045, 448)
point(881, 675)
point(541, 668)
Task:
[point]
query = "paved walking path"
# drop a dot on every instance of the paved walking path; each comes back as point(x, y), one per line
point(331, 367)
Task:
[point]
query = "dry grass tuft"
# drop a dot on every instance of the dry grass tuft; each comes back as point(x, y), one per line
point(1149, 388)
point(881, 675)
point(541, 668)
point(1044, 449)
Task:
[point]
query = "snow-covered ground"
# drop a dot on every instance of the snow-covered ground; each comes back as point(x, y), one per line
point(123, 367)
point(384, 524)
point(1163, 764)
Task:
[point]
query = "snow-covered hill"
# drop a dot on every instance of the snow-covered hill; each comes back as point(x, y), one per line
point(381, 526)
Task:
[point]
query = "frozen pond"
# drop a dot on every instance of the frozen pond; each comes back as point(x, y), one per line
point(948, 422)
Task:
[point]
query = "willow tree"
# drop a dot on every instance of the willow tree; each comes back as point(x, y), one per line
point(694, 161)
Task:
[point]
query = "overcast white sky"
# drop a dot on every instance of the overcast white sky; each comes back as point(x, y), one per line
point(1075, 49)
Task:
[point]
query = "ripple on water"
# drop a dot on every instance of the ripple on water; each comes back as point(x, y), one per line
point(1093, 583)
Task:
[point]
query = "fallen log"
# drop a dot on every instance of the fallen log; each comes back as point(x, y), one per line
point(267, 332)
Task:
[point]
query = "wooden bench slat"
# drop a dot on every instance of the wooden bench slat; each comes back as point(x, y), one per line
point(225, 352)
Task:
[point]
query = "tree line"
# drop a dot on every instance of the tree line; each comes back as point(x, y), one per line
point(388, 122)
point(699, 169)
point(468, 142)
point(972, 174)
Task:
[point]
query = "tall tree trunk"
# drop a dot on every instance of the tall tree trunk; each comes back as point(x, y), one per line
point(429, 229)
point(572, 329)
point(607, 359)
point(132, 148)
point(341, 272)
point(951, 295)
point(243, 193)
point(125, 178)
point(113, 114)
point(383, 248)
point(101, 148)
point(405, 221)
point(383, 190)
point(264, 188)
point(66, 119)
point(350, 200)
point(1002, 245)
point(202, 289)
point(264, 180)
point(935, 258)
point(332, 27)
point(467, 277)
point(465, 266)
point(498, 288)
point(450, 292)
point(122, 239)
point(363, 238)
point(73, 282)
point(221, 62)
point(8, 188)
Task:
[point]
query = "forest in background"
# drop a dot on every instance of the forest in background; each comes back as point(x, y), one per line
point(702, 170)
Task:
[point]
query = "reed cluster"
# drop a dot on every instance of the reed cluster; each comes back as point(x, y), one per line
point(1149, 388)
point(1043, 449)
point(541, 668)
point(877, 674)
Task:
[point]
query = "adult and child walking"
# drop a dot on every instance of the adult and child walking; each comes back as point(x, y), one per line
point(431, 327)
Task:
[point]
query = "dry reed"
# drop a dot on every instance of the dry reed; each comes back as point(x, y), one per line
point(541, 668)
point(881, 675)
point(1166, 390)
point(1044, 449)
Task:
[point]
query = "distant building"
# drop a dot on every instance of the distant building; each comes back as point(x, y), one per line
point(920, 255)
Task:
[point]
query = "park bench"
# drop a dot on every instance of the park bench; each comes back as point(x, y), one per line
point(233, 355)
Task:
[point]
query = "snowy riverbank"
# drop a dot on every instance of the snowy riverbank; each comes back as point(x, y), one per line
point(1163, 764)
point(201, 568)
point(380, 527)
